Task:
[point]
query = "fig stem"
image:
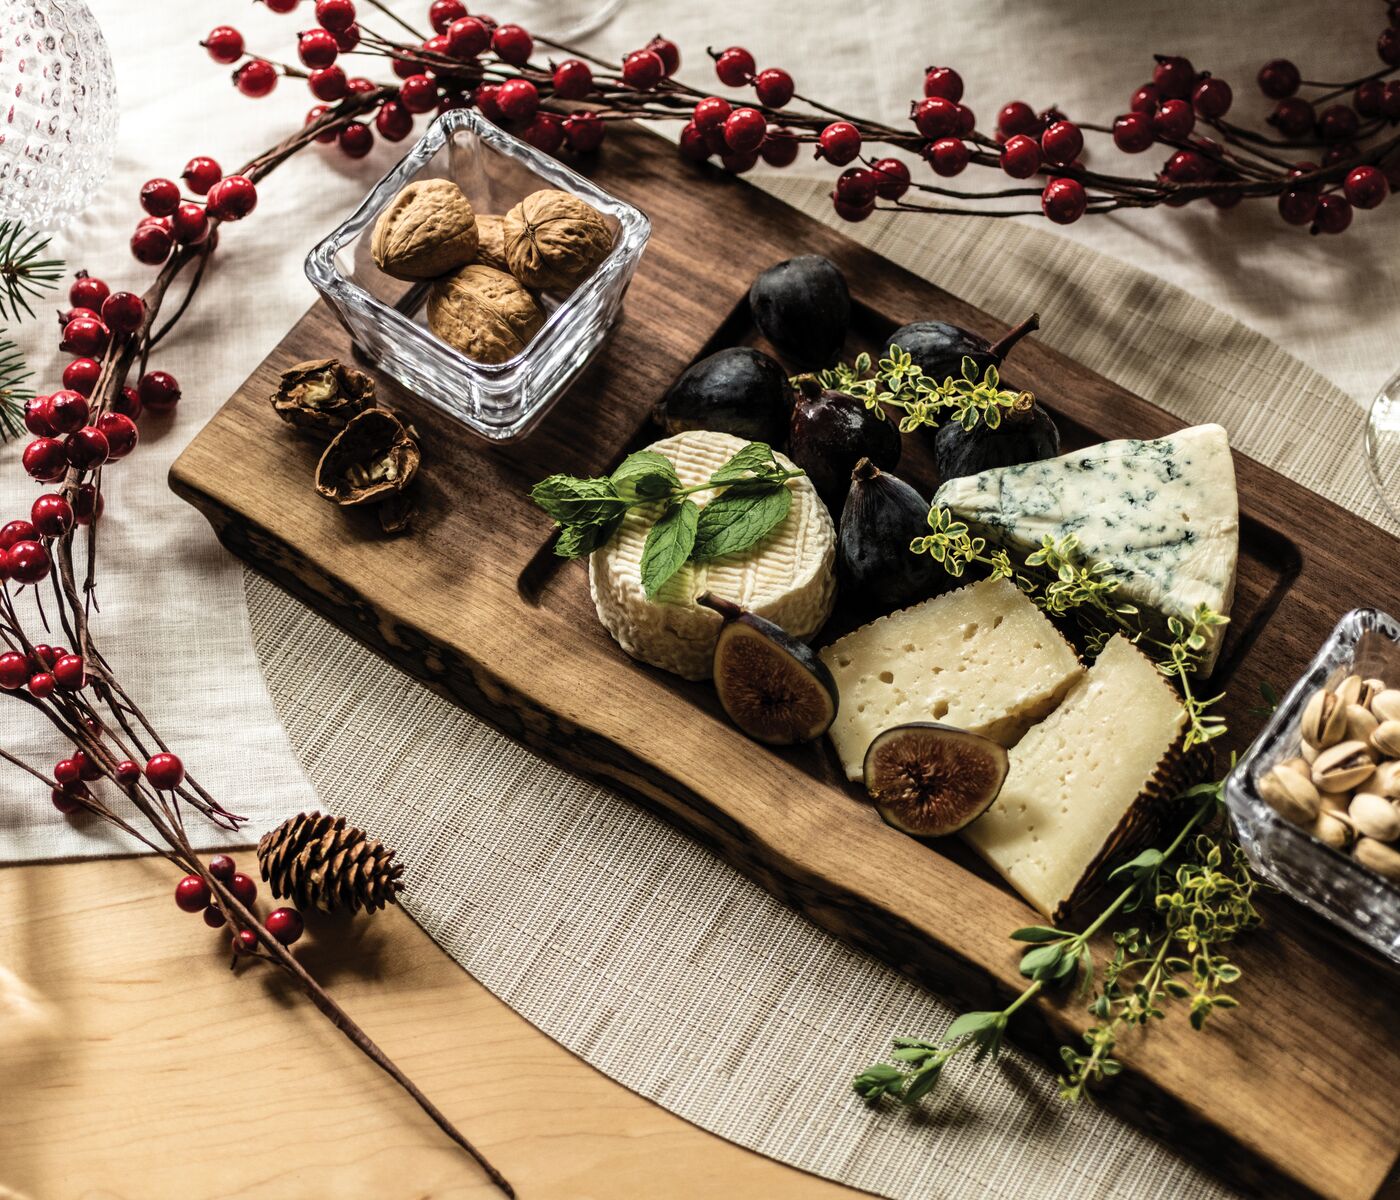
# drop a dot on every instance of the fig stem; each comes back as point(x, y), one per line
point(726, 608)
point(865, 470)
point(1004, 347)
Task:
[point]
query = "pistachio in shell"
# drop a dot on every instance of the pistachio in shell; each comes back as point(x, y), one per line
point(491, 243)
point(554, 241)
point(372, 459)
point(484, 313)
point(322, 395)
point(429, 229)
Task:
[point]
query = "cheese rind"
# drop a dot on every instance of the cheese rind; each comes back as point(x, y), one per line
point(788, 577)
point(983, 658)
point(1083, 780)
point(1162, 515)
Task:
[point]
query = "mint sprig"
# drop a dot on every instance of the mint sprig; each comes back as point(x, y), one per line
point(754, 500)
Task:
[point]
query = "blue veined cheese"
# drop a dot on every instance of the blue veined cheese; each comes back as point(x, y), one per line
point(1162, 516)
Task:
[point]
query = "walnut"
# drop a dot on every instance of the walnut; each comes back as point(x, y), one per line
point(554, 240)
point(372, 459)
point(491, 243)
point(484, 313)
point(321, 396)
point(428, 230)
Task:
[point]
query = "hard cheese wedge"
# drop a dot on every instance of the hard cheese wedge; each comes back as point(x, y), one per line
point(1084, 780)
point(1162, 515)
point(983, 658)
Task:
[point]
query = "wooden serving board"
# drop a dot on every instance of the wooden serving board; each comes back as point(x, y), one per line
point(1297, 1092)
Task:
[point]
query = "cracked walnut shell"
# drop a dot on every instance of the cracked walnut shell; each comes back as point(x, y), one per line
point(428, 230)
point(554, 240)
point(321, 395)
point(371, 459)
point(484, 313)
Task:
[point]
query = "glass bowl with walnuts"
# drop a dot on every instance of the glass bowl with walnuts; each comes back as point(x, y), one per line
point(481, 273)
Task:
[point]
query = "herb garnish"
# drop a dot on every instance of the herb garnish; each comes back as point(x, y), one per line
point(754, 500)
point(1195, 908)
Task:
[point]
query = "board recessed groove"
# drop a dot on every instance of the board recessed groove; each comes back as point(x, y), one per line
point(471, 606)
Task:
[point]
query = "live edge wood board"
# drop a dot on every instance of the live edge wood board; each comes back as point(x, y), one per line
point(1296, 1092)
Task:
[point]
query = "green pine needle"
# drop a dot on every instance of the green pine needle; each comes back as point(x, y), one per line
point(14, 392)
point(24, 275)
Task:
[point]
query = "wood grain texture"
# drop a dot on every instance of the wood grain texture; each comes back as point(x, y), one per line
point(472, 606)
point(133, 1066)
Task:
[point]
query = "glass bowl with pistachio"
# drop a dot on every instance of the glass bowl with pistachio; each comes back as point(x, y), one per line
point(1316, 800)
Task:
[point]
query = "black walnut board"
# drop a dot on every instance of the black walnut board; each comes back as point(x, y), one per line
point(1296, 1092)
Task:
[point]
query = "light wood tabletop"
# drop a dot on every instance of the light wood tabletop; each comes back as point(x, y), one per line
point(134, 1066)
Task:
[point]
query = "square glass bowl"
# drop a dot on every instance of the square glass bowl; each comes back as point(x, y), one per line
point(1330, 882)
point(386, 316)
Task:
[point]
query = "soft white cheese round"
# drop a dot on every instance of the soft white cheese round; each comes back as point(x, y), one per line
point(788, 577)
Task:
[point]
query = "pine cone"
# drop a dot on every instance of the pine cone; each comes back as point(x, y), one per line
point(318, 860)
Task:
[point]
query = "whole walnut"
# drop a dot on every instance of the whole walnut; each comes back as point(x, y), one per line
point(428, 230)
point(484, 313)
point(554, 240)
point(491, 243)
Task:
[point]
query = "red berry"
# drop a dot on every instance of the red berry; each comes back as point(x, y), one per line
point(1298, 206)
point(643, 70)
point(165, 772)
point(233, 198)
point(45, 460)
point(68, 411)
point(1145, 99)
point(285, 924)
point(335, 14)
point(967, 120)
point(584, 131)
point(281, 6)
point(88, 770)
point(1062, 142)
point(744, 130)
point(29, 563)
point(151, 244)
point(1063, 201)
point(347, 39)
point(37, 410)
point(85, 335)
point(1338, 123)
point(87, 292)
point(418, 93)
point(736, 163)
point(693, 147)
point(944, 82)
point(1132, 132)
point(68, 799)
point(87, 504)
point(513, 45)
point(1017, 117)
point(65, 772)
point(441, 14)
point(74, 314)
point(1186, 166)
point(892, 178)
point(355, 140)
point(200, 174)
point(668, 52)
point(14, 670)
point(467, 37)
point(1279, 79)
point(517, 99)
point(573, 79)
point(1369, 99)
point(51, 515)
point(1020, 156)
point(1388, 47)
point(393, 121)
point(214, 917)
point(774, 87)
point(192, 894)
point(936, 117)
point(69, 673)
point(190, 225)
point(243, 888)
point(222, 868)
point(245, 942)
point(856, 187)
point(80, 375)
point(734, 66)
point(485, 97)
point(329, 84)
point(1212, 97)
point(1333, 214)
point(127, 773)
point(120, 432)
point(317, 48)
point(158, 391)
point(124, 311)
point(850, 212)
point(255, 78)
point(711, 113)
point(948, 156)
point(1174, 120)
point(544, 132)
point(839, 142)
point(1174, 77)
point(779, 147)
point(1294, 118)
point(224, 43)
point(87, 448)
point(1366, 187)
point(15, 532)
point(41, 685)
point(1392, 100)
point(127, 402)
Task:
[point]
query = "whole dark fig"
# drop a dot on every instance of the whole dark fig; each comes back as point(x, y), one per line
point(1026, 434)
point(877, 570)
point(830, 432)
point(938, 348)
point(739, 391)
point(803, 306)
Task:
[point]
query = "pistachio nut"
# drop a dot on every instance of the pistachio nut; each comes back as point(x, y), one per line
point(1290, 795)
point(1309, 753)
point(1345, 765)
point(1333, 829)
point(1374, 816)
point(1370, 689)
point(1335, 801)
point(1386, 739)
point(1324, 719)
point(1300, 765)
point(1386, 705)
point(1360, 723)
point(1380, 858)
point(1349, 690)
point(1386, 781)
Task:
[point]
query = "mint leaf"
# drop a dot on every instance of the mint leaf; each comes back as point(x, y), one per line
point(573, 501)
point(574, 541)
point(733, 523)
point(668, 545)
point(756, 457)
point(645, 475)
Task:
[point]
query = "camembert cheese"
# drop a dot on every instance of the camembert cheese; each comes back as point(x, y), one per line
point(983, 658)
point(1162, 515)
point(1083, 780)
point(788, 577)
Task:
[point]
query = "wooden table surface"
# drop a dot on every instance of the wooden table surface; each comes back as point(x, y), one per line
point(133, 1065)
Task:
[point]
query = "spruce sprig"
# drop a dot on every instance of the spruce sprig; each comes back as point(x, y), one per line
point(24, 274)
point(15, 391)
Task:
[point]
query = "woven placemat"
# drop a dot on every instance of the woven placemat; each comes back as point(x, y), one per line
point(659, 964)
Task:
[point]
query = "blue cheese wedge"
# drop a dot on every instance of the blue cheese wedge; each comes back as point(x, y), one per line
point(1161, 515)
point(1085, 781)
point(788, 577)
point(983, 658)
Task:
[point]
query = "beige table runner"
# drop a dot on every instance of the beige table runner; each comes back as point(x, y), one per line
point(659, 964)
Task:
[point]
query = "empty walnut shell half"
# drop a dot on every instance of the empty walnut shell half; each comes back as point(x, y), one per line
point(554, 241)
point(428, 230)
point(321, 395)
point(372, 459)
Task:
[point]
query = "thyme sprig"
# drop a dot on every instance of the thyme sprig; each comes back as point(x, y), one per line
point(24, 274)
point(1060, 581)
point(1197, 906)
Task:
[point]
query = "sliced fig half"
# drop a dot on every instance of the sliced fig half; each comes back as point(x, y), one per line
point(931, 780)
point(773, 686)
